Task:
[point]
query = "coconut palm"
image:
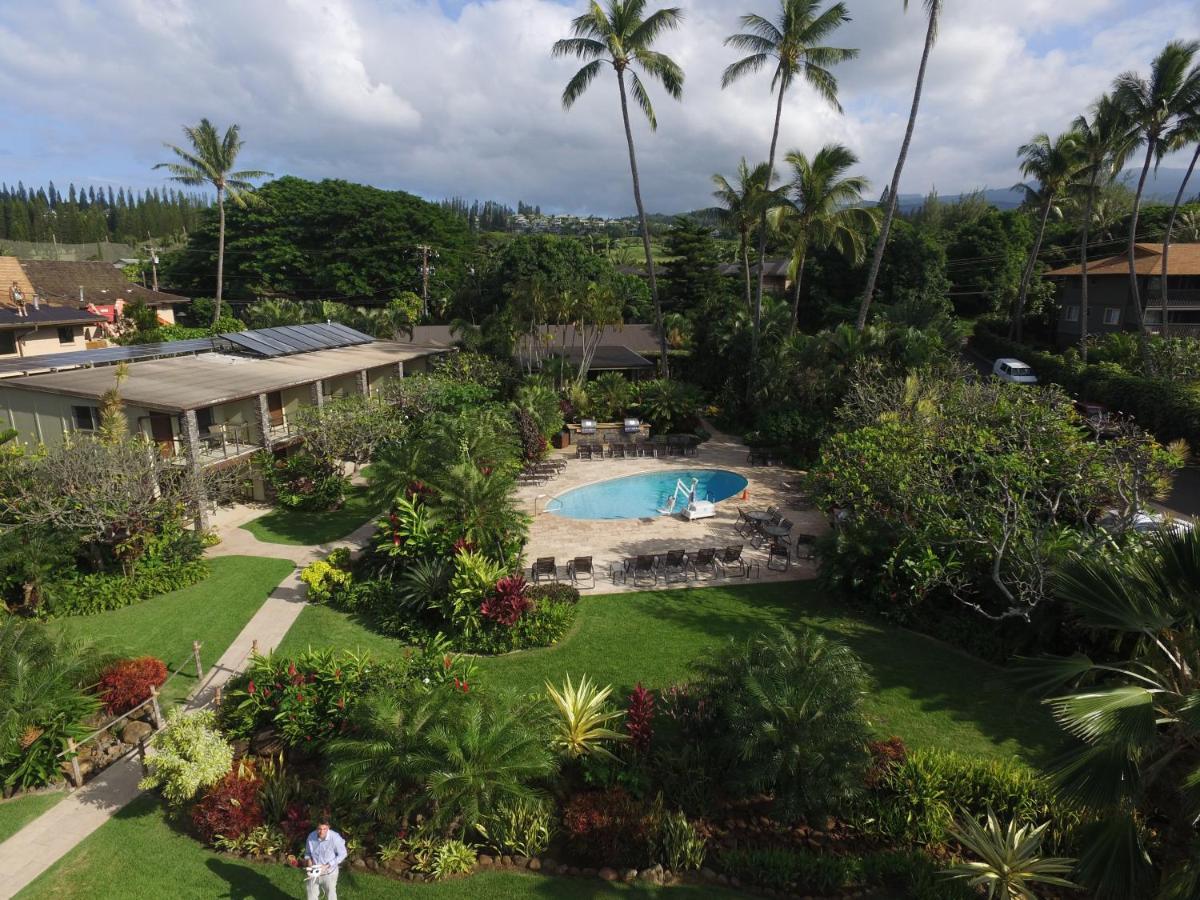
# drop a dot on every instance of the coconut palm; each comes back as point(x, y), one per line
point(1134, 719)
point(933, 12)
point(623, 37)
point(210, 161)
point(1102, 143)
point(741, 209)
point(824, 210)
point(1185, 132)
point(1052, 164)
point(794, 43)
point(1010, 862)
point(1152, 106)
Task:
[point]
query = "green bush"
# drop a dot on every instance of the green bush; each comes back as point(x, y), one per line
point(301, 481)
point(801, 871)
point(799, 432)
point(191, 754)
point(681, 846)
point(325, 581)
point(518, 827)
point(85, 594)
point(555, 592)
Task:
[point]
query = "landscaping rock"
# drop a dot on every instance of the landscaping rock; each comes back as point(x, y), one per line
point(708, 874)
point(608, 874)
point(535, 865)
point(649, 876)
point(722, 879)
point(135, 731)
point(521, 862)
point(484, 860)
point(506, 861)
point(549, 867)
point(631, 875)
point(588, 872)
point(573, 871)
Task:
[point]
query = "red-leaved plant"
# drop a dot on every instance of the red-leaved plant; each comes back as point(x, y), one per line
point(639, 718)
point(606, 828)
point(507, 602)
point(229, 808)
point(127, 682)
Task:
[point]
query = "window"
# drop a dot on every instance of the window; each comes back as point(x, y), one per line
point(1112, 315)
point(8, 342)
point(85, 418)
point(66, 334)
point(1070, 313)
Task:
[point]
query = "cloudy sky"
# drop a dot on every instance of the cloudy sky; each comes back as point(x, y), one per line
point(461, 97)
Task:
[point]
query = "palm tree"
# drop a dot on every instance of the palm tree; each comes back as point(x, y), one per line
point(1152, 106)
point(825, 210)
point(622, 37)
point(1102, 143)
point(741, 208)
point(794, 42)
point(1186, 131)
point(210, 161)
point(933, 11)
point(1052, 163)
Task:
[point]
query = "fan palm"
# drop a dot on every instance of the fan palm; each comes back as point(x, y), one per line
point(1185, 132)
point(1152, 106)
point(1102, 142)
point(623, 37)
point(741, 208)
point(1052, 164)
point(794, 43)
point(210, 161)
point(933, 12)
point(823, 211)
point(1136, 721)
point(1009, 859)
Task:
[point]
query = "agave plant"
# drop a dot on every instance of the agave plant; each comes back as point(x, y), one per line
point(1009, 859)
point(582, 727)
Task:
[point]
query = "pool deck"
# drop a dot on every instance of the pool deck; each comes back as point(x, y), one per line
point(609, 541)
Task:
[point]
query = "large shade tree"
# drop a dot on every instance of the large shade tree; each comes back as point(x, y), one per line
point(794, 43)
point(741, 207)
point(623, 37)
point(210, 161)
point(933, 12)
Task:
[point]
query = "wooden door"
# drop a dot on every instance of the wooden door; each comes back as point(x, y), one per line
point(160, 431)
point(275, 408)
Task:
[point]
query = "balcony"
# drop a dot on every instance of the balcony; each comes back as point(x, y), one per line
point(220, 444)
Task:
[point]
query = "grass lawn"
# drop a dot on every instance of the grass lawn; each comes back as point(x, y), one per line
point(212, 612)
point(925, 691)
point(138, 856)
point(15, 814)
point(289, 526)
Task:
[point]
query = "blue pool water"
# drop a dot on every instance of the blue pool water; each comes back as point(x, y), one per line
point(640, 496)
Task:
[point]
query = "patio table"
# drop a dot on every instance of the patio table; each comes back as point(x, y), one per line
point(775, 531)
point(758, 517)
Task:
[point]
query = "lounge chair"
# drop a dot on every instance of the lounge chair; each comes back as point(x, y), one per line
point(732, 556)
point(806, 546)
point(545, 567)
point(779, 556)
point(581, 567)
point(644, 567)
point(672, 563)
point(583, 451)
point(706, 559)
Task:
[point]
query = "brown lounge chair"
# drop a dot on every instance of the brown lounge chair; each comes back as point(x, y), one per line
point(732, 556)
point(779, 556)
point(545, 567)
point(706, 559)
point(644, 567)
point(581, 567)
point(673, 564)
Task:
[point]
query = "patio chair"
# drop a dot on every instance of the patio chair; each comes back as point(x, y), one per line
point(673, 563)
point(773, 512)
point(691, 446)
point(754, 458)
point(644, 567)
point(706, 559)
point(545, 567)
point(788, 524)
point(583, 451)
point(743, 526)
point(658, 446)
point(806, 546)
point(581, 567)
point(779, 556)
point(732, 557)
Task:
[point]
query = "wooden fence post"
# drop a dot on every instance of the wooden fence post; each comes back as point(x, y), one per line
point(196, 656)
point(217, 698)
point(141, 748)
point(155, 709)
point(76, 772)
point(254, 647)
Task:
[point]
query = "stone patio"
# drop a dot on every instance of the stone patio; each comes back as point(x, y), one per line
point(611, 541)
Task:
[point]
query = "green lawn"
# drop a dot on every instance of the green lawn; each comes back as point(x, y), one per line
point(15, 814)
point(212, 612)
point(289, 526)
point(926, 692)
point(138, 856)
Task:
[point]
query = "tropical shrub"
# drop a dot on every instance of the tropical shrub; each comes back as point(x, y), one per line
point(581, 726)
point(639, 719)
point(681, 846)
point(1010, 861)
point(825, 874)
point(475, 577)
point(191, 754)
point(533, 442)
point(452, 858)
point(325, 581)
point(257, 843)
point(607, 828)
point(518, 827)
point(302, 481)
point(555, 592)
point(541, 403)
point(508, 601)
point(229, 808)
point(611, 395)
point(669, 406)
point(127, 682)
point(88, 593)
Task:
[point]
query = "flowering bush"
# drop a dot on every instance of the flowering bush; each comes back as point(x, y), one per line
point(127, 682)
point(607, 828)
point(229, 808)
point(191, 755)
point(639, 718)
point(508, 602)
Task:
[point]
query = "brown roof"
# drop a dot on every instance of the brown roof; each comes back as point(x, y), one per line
point(638, 338)
point(102, 283)
point(1184, 260)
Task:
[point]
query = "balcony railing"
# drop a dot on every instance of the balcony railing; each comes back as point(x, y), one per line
point(220, 443)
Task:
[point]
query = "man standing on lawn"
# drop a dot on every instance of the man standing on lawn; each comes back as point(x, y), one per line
point(324, 848)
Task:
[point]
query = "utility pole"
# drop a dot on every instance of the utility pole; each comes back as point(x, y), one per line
point(426, 250)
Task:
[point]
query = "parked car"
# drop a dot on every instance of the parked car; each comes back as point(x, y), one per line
point(1013, 371)
point(1148, 521)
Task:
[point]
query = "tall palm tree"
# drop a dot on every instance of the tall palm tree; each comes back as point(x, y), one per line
point(623, 38)
point(1185, 132)
point(210, 161)
point(794, 43)
point(824, 210)
point(1103, 145)
point(1052, 164)
point(1152, 106)
point(741, 209)
point(933, 12)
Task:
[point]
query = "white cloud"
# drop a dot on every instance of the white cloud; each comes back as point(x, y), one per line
point(397, 93)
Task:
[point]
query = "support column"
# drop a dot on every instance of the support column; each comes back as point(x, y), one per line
point(400, 368)
point(318, 394)
point(264, 420)
point(191, 449)
point(364, 383)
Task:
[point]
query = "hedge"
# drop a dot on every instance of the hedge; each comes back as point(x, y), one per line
point(1167, 408)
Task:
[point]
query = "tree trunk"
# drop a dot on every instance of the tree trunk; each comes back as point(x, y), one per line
point(762, 248)
point(641, 211)
point(1018, 321)
point(1143, 342)
point(220, 254)
point(796, 295)
point(894, 192)
point(1083, 266)
point(746, 269)
point(1167, 237)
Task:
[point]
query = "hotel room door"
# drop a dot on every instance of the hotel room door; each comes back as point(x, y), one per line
point(161, 433)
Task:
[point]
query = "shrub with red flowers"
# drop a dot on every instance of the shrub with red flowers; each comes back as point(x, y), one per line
point(607, 828)
point(639, 718)
point(230, 808)
point(507, 602)
point(127, 682)
point(885, 757)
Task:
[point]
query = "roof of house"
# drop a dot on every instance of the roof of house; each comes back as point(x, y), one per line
point(101, 283)
point(639, 338)
point(607, 358)
point(206, 379)
point(45, 315)
point(776, 268)
point(433, 335)
point(1184, 260)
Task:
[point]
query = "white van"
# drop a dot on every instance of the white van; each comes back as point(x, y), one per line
point(1014, 371)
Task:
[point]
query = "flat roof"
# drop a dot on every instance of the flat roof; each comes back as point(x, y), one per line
point(106, 356)
point(193, 382)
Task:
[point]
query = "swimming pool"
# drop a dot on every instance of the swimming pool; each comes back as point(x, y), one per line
point(640, 496)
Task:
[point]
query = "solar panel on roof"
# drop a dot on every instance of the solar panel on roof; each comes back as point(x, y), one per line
point(285, 340)
point(305, 338)
point(106, 356)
